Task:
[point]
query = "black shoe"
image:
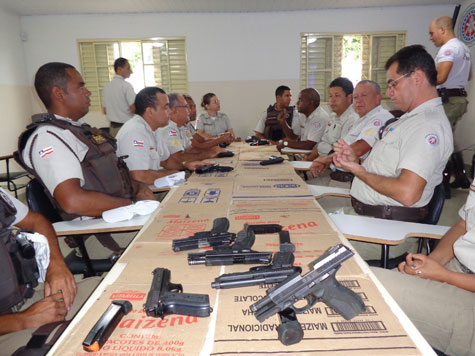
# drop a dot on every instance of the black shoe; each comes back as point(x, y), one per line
point(461, 180)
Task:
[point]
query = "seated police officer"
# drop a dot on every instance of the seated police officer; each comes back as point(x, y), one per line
point(397, 180)
point(269, 127)
point(60, 296)
point(75, 162)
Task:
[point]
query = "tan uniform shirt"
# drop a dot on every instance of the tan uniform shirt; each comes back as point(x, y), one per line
point(420, 141)
point(337, 127)
point(311, 128)
point(174, 137)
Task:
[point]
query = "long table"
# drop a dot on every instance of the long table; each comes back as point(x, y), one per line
point(252, 194)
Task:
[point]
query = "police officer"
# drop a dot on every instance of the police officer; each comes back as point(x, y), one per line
point(60, 297)
point(398, 178)
point(341, 120)
point(268, 126)
point(148, 157)
point(363, 134)
point(453, 72)
point(308, 128)
point(175, 134)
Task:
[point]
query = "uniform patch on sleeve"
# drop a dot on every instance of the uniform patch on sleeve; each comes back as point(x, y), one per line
point(176, 143)
point(46, 151)
point(138, 143)
point(448, 52)
point(432, 139)
point(377, 123)
point(369, 132)
point(171, 133)
point(317, 125)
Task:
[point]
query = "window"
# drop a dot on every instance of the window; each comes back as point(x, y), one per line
point(358, 56)
point(155, 62)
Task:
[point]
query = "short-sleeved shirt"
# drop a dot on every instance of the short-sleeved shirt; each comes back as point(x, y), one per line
point(261, 124)
point(464, 247)
point(337, 127)
point(311, 128)
point(117, 97)
point(213, 125)
point(457, 52)
point(420, 141)
point(367, 127)
point(21, 209)
point(174, 137)
point(53, 161)
point(144, 149)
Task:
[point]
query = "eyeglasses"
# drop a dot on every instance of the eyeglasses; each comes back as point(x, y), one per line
point(182, 106)
point(392, 83)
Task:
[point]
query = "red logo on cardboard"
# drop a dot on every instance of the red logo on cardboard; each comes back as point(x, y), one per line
point(247, 217)
point(128, 295)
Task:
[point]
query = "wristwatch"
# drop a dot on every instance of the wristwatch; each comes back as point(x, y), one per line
point(286, 143)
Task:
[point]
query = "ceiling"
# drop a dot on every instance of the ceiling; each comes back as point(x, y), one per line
point(57, 7)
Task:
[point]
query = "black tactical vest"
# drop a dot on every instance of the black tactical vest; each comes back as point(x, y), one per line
point(103, 171)
point(18, 275)
point(273, 130)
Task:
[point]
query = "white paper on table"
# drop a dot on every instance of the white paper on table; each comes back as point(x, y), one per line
point(41, 245)
point(142, 207)
point(170, 181)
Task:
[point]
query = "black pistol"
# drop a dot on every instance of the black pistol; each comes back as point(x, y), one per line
point(238, 253)
point(168, 298)
point(218, 236)
point(280, 268)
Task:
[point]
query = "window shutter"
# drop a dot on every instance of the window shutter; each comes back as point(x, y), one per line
point(164, 64)
point(365, 57)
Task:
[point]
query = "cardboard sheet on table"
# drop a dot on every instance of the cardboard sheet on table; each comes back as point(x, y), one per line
point(254, 168)
point(200, 196)
point(325, 331)
point(139, 270)
point(169, 226)
point(296, 223)
point(247, 148)
point(137, 333)
point(270, 187)
point(243, 206)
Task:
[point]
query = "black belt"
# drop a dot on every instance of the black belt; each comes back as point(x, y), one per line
point(342, 176)
point(389, 212)
point(452, 92)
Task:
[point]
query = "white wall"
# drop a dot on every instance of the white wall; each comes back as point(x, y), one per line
point(14, 84)
point(240, 57)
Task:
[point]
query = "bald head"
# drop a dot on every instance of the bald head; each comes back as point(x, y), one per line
point(309, 100)
point(441, 30)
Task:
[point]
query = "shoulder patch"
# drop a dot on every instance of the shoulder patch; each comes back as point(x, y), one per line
point(369, 132)
point(175, 142)
point(317, 125)
point(138, 143)
point(377, 123)
point(448, 52)
point(432, 139)
point(171, 133)
point(45, 151)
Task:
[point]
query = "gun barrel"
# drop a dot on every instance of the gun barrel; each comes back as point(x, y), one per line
point(245, 279)
point(202, 240)
point(211, 258)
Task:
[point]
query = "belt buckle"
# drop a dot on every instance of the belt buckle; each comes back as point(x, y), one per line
point(387, 212)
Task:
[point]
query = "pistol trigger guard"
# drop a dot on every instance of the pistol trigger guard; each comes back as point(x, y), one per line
point(311, 300)
point(178, 288)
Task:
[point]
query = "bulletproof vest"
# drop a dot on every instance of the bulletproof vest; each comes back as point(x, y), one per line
point(19, 272)
point(273, 130)
point(103, 171)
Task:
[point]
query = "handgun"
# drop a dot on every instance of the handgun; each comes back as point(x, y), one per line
point(165, 298)
point(319, 284)
point(238, 253)
point(218, 236)
point(280, 269)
